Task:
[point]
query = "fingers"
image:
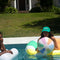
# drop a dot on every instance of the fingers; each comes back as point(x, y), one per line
point(8, 51)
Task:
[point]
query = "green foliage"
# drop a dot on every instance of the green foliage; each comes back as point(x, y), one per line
point(10, 10)
point(36, 9)
point(9, 2)
point(46, 5)
point(3, 3)
point(57, 10)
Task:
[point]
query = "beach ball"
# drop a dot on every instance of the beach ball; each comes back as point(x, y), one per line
point(31, 47)
point(45, 45)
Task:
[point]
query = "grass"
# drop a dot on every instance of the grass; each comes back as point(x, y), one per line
point(28, 24)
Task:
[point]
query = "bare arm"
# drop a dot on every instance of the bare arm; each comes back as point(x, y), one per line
point(2, 53)
point(55, 43)
point(7, 51)
point(3, 47)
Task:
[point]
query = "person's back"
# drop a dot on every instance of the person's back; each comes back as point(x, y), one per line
point(2, 47)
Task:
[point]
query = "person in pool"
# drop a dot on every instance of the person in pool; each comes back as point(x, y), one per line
point(46, 32)
point(2, 47)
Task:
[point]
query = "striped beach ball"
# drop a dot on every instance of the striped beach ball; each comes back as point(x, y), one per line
point(45, 45)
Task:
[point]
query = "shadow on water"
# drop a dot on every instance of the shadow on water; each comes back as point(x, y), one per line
point(53, 23)
point(38, 58)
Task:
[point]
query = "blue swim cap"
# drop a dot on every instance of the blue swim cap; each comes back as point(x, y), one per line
point(47, 29)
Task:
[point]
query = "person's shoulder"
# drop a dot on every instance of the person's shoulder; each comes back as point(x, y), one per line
point(52, 37)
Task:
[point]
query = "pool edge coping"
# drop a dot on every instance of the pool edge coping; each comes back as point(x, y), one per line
point(21, 40)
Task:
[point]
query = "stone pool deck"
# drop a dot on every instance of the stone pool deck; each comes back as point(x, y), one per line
point(20, 40)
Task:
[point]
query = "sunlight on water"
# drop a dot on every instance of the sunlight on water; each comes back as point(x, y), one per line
point(23, 56)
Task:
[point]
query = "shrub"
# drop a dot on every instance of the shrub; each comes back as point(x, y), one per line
point(57, 10)
point(10, 10)
point(36, 9)
point(3, 3)
point(46, 5)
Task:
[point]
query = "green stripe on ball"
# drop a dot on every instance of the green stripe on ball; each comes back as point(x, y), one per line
point(32, 43)
point(40, 45)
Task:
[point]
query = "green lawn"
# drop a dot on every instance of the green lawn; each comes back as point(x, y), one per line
point(28, 24)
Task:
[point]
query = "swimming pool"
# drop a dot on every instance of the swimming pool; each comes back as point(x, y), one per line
point(23, 56)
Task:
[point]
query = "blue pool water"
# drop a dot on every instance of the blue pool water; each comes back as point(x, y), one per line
point(23, 56)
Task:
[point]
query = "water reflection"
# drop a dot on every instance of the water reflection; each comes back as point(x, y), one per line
point(28, 57)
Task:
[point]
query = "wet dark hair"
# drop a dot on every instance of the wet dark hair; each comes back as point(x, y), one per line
point(0, 32)
point(50, 35)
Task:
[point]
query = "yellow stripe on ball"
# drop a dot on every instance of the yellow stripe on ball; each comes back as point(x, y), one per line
point(31, 52)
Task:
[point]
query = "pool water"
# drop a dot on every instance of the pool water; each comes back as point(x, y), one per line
point(23, 56)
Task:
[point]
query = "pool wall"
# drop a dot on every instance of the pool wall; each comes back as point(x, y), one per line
point(20, 40)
